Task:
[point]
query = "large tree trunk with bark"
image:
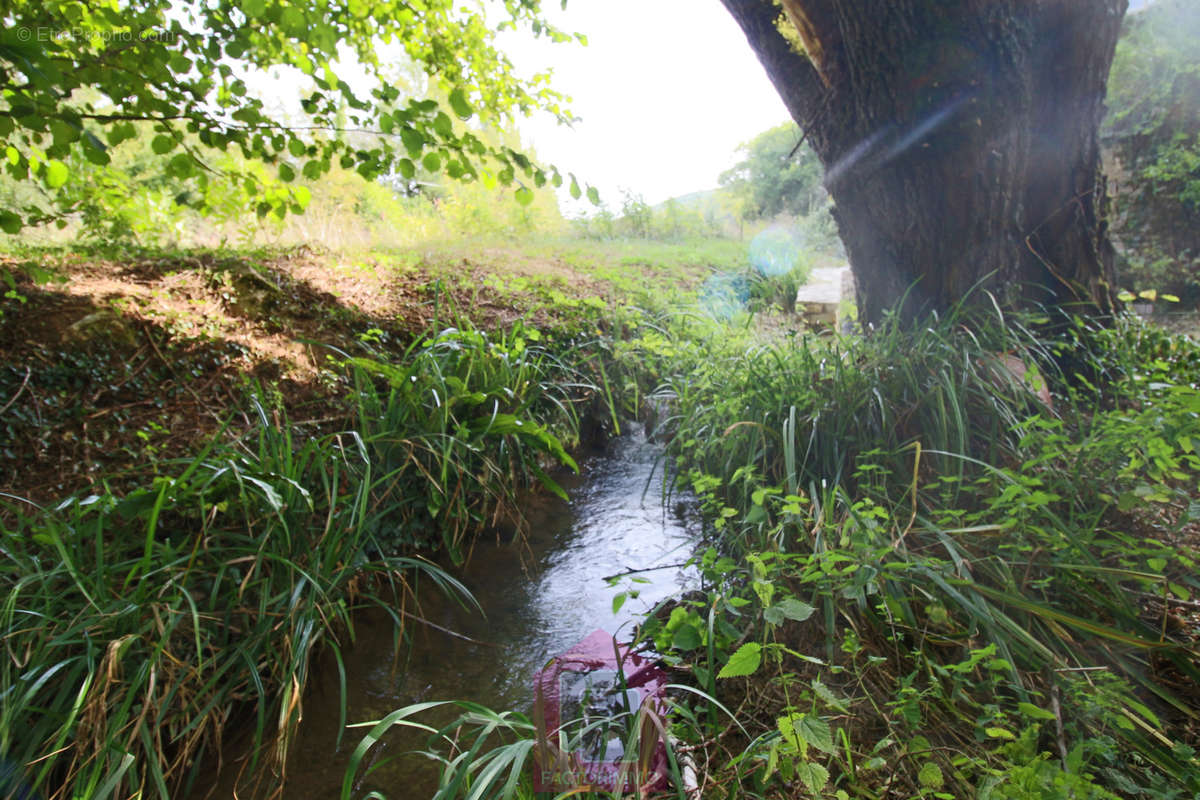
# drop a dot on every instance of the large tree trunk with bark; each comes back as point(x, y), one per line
point(960, 142)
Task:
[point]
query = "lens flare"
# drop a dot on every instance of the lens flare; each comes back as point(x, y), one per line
point(776, 251)
point(724, 295)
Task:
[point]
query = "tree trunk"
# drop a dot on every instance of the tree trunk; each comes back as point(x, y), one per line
point(960, 143)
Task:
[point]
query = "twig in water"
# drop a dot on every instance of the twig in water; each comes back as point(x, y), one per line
point(446, 631)
point(647, 569)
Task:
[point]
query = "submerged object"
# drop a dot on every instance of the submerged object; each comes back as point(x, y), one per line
point(599, 713)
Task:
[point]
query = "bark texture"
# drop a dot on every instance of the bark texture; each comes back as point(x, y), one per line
point(960, 142)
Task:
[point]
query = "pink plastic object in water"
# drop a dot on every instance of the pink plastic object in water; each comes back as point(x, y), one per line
point(579, 695)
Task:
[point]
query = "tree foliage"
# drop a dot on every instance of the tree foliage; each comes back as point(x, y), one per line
point(776, 176)
point(79, 78)
point(1154, 134)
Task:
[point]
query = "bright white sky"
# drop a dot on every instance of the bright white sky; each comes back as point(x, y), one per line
point(666, 89)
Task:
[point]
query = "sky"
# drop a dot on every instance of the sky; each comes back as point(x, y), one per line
point(667, 90)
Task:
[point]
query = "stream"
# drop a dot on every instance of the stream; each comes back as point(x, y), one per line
point(541, 598)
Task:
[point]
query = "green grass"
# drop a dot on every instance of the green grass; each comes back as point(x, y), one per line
point(460, 423)
point(137, 628)
point(662, 273)
point(920, 580)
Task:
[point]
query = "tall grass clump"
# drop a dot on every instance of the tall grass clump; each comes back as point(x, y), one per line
point(137, 629)
point(802, 413)
point(459, 424)
point(928, 575)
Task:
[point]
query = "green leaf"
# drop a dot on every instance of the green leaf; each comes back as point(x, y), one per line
point(293, 21)
point(10, 222)
point(930, 776)
point(302, 196)
point(460, 105)
point(408, 169)
point(576, 192)
point(254, 9)
point(313, 169)
point(794, 609)
point(413, 141)
point(619, 600)
point(181, 166)
point(162, 144)
point(63, 132)
point(1033, 712)
point(813, 776)
point(764, 589)
point(525, 196)
point(825, 693)
point(432, 162)
point(808, 728)
point(594, 195)
point(95, 151)
point(686, 638)
point(286, 173)
point(744, 662)
point(56, 173)
point(443, 126)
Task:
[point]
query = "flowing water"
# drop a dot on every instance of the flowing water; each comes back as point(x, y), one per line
point(540, 599)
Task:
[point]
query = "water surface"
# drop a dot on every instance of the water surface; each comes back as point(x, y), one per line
point(541, 598)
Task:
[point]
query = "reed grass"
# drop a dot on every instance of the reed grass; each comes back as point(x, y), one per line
point(137, 629)
point(460, 423)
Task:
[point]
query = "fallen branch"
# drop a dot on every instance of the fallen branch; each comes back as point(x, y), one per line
point(446, 631)
point(647, 569)
point(20, 389)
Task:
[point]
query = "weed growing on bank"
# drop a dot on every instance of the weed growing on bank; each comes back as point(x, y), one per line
point(925, 578)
